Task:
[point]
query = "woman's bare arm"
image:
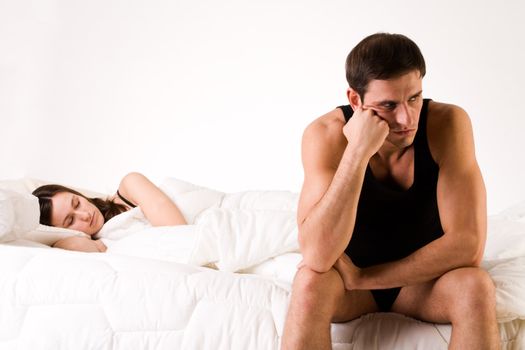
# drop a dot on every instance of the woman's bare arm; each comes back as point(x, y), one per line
point(81, 244)
point(158, 208)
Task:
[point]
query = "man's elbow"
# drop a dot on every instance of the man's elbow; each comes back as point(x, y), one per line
point(314, 259)
point(477, 255)
point(474, 252)
point(316, 266)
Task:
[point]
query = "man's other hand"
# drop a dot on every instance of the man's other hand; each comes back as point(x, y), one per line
point(350, 273)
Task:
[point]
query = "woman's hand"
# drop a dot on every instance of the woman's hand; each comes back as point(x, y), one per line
point(100, 246)
point(81, 244)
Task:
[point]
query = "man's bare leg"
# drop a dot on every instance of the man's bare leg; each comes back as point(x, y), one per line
point(317, 300)
point(464, 297)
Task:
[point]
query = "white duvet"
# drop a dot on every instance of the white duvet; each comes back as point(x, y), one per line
point(225, 238)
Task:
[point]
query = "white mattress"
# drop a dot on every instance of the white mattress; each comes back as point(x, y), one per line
point(385, 331)
point(54, 299)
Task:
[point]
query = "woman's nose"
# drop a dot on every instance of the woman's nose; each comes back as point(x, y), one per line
point(83, 215)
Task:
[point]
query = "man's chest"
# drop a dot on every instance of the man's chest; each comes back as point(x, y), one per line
point(398, 174)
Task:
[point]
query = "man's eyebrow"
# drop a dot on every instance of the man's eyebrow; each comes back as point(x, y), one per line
point(382, 102)
point(387, 101)
point(417, 93)
point(64, 221)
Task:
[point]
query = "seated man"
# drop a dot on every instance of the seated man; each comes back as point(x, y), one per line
point(392, 213)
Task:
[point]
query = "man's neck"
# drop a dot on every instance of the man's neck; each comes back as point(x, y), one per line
point(390, 153)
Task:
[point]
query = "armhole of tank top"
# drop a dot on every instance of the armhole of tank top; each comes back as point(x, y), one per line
point(125, 200)
point(347, 112)
point(424, 148)
point(422, 125)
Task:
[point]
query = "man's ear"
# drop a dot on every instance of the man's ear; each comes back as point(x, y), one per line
point(353, 98)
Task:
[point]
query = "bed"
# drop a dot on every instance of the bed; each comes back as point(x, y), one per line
point(222, 282)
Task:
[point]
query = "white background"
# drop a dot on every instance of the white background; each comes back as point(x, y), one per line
point(219, 92)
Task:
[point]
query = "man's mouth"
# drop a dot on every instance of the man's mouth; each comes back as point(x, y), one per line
point(404, 132)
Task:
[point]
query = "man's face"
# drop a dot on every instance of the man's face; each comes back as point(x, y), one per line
point(398, 101)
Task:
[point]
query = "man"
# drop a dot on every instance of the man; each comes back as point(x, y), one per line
point(392, 213)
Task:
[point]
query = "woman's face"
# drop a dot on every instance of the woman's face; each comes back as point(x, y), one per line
point(75, 212)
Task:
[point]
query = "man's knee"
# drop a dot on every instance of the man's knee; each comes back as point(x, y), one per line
point(478, 284)
point(475, 291)
point(314, 287)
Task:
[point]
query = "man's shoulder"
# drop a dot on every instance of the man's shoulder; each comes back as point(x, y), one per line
point(324, 141)
point(446, 124)
point(327, 126)
point(443, 114)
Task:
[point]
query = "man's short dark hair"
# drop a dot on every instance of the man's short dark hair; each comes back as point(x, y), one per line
point(382, 56)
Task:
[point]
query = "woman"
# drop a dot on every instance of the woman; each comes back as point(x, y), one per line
point(63, 207)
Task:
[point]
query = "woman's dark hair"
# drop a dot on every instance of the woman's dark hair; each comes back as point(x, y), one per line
point(382, 56)
point(44, 193)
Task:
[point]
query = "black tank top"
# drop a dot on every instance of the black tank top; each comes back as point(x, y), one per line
point(125, 200)
point(393, 223)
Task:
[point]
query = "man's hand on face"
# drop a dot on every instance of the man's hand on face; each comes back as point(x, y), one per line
point(350, 273)
point(366, 131)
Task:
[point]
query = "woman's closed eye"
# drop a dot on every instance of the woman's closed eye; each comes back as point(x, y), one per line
point(69, 221)
point(71, 218)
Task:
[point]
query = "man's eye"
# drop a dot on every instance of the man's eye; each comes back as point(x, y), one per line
point(77, 204)
point(389, 105)
point(69, 222)
point(419, 96)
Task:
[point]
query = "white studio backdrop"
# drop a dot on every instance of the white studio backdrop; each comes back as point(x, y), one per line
point(218, 93)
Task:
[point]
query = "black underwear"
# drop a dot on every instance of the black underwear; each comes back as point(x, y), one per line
point(385, 298)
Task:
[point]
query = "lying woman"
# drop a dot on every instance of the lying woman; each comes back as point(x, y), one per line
point(63, 207)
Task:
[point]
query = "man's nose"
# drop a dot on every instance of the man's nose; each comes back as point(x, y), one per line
point(403, 115)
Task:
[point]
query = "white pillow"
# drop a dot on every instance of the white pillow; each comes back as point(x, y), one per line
point(191, 199)
point(20, 214)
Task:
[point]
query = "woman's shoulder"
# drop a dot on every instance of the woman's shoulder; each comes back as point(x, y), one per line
point(118, 199)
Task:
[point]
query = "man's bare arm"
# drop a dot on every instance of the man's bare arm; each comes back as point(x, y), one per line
point(331, 190)
point(462, 207)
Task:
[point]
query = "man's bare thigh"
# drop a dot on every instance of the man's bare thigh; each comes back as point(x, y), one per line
point(421, 301)
point(353, 304)
point(431, 301)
